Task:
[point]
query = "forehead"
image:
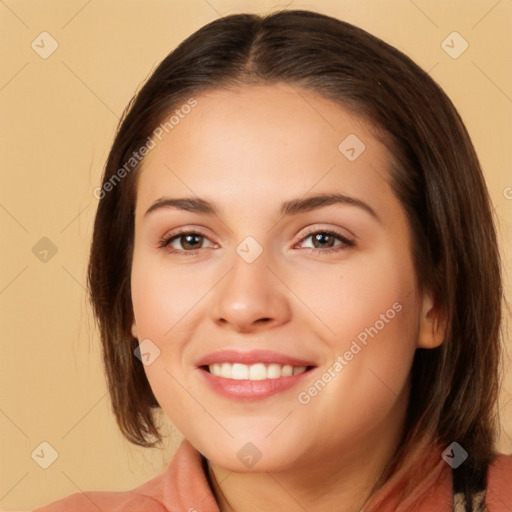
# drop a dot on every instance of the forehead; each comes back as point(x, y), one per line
point(265, 141)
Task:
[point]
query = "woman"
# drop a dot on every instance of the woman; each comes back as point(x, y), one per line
point(294, 258)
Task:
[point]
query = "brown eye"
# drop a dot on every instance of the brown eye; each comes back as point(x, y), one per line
point(327, 241)
point(190, 241)
point(186, 242)
point(321, 240)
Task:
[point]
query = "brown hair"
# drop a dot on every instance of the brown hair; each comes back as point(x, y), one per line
point(435, 174)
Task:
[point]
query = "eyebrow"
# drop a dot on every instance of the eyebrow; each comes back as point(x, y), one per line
point(288, 208)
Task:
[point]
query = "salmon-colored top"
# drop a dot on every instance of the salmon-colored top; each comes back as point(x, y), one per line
point(424, 484)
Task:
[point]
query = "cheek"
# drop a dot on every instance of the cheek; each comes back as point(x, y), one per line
point(161, 299)
point(365, 388)
point(363, 293)
point(168, 303)
point(372, 314)
point(163, 296)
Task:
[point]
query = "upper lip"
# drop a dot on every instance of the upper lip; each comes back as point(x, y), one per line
point(252, 357)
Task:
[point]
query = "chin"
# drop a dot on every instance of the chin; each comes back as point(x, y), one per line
point(241, 455)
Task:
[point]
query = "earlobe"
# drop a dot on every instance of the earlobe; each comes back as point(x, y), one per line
point(135, 332)
point(432, 323)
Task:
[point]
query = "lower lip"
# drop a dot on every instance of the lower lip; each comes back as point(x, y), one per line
point(252, 389)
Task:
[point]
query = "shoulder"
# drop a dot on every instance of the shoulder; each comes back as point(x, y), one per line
point(499, 484)
point(145, 498)
point(181, 484)
point(105, 501)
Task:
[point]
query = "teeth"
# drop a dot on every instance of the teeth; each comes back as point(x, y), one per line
point(287, 370)
point(239, 371)
point(274, 371)
point(225, 370)
point(258, 371)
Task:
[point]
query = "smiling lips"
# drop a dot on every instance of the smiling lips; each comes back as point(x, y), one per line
point(252, 375)
point(258, 371)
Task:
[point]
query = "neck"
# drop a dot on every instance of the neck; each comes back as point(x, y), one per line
point(322, 482)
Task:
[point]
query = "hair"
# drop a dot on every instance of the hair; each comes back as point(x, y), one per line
point(435, 174)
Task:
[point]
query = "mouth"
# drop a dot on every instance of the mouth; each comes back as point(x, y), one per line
point(254, 375)
point(254, 372)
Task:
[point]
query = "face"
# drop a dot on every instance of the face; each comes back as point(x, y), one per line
point(285, 325)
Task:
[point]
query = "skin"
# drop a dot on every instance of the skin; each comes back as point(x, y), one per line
point(249, 149)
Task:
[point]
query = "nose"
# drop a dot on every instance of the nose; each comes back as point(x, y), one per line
point(251, 298)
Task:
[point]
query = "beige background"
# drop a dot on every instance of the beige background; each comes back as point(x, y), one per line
point(58, 117)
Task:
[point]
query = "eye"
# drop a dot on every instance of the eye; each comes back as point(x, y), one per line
point(324, 241)
point(190, 242)
point(184, 242)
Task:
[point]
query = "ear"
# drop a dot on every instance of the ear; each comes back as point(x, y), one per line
point(432, 328)
point(135, 331)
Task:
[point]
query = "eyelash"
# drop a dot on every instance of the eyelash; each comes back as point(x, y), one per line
point(346, 242)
